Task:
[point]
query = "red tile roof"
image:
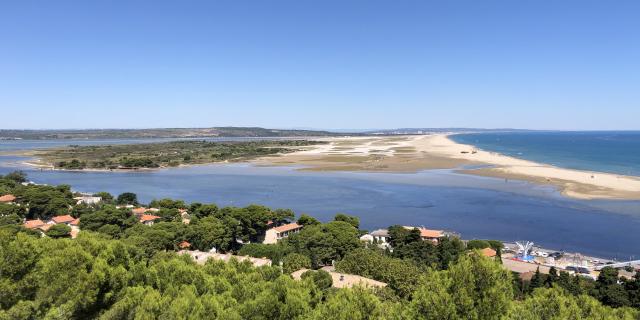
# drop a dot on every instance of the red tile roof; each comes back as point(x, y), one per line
point(148, 217)
point(139, 210)
point(75, 222)
point(7, 198)
point(33, 224)
point(63, 219)
point(287, 227)
point(426, 233)
point(184, 245)
point(488, 252)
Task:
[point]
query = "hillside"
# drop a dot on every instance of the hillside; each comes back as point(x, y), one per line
point(159, 133)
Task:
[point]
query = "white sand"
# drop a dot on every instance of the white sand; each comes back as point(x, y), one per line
point(441, 144)
point(414, 153)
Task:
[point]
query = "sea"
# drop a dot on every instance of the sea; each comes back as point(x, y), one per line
point(605, 151)
point(475, 207)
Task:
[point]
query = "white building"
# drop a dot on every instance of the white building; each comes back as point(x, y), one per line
point(87, 200)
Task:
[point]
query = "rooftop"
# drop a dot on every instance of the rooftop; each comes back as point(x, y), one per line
point(148, 217)
point(139, 210)
point(8, 198)
point(33, 224)
point(63, 219)
point(428, 233)
point(380, 233)
point(287, 227)
point(488, 252)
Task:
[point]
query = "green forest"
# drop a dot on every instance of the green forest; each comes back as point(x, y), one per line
point(118, 268)
point(164, 154)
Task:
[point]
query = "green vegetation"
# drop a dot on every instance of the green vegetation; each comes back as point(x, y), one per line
point(166, 154)
point(118, 268)
point(161, 133)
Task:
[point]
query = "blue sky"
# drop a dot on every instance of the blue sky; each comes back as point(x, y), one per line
point(320, 64)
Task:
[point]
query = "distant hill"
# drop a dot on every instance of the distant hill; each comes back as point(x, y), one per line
point(160, 133)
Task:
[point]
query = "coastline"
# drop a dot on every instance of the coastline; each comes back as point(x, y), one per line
point(413, 153)
point(407, 154)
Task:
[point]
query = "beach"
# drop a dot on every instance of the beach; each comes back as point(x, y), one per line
point(408, 154)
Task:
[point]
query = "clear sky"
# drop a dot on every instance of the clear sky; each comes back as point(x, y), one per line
point(320, 64)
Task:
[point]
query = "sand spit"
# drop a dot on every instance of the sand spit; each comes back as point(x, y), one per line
point(437, 151)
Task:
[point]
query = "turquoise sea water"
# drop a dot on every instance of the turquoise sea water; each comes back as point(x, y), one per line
point(607, 151)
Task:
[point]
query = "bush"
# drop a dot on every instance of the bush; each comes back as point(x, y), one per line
point(478, 244)
point(294, 262)
point(320, 278)
point(59, 231)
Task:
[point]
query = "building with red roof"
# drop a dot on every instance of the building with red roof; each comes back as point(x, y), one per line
point(488, 252)
point(274, 235)
point(148, 219)
point(428, 234)
point(139, 211)
point(33, 224)
point(7, 198)
point(66, 219)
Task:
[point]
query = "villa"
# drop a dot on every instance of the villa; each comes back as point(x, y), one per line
point(66, 219)
point(86, 199)
point(428, 234)
point(274, 235)
point(148, 219)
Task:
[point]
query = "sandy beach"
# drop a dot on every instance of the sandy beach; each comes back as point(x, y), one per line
point(437, 151)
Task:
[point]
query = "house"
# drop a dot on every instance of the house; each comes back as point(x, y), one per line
point(380, 235)
point(488, 252)
point(344, 280)
point(184, 245)
point(367, 238)
point(138, 211)
point(201, 257)
point(429, 235)
point(33, 224)
point(37, 225)
point(185, 216)
point(75, 228)
point(274, 235)
point(66, 219)
point(75, 223)
point(87, 200)
point(7, 198)
point(148, 219)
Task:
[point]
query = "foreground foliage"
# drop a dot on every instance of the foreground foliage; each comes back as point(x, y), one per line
point(93, 277)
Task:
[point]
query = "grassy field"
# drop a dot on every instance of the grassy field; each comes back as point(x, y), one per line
point(166, 154)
